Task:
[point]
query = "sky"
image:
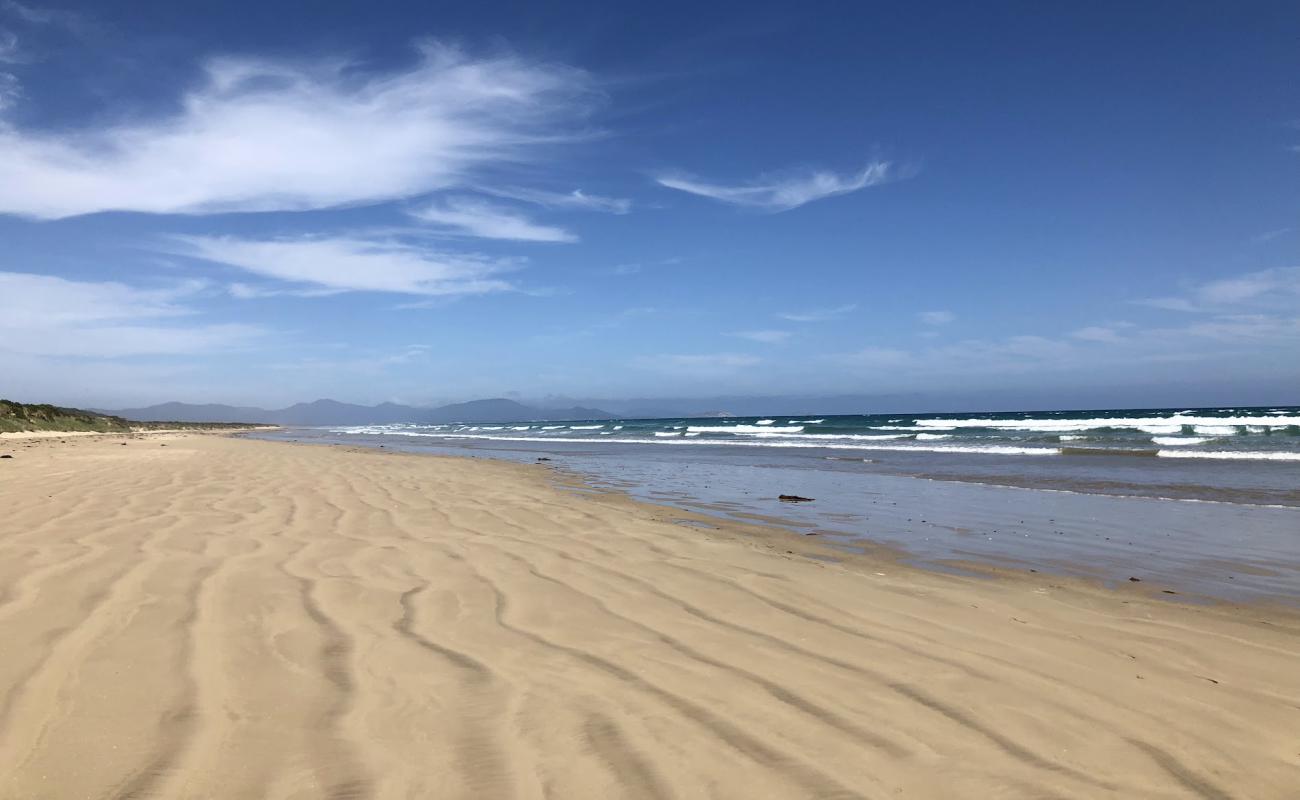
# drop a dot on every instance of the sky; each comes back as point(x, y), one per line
point(261, 203)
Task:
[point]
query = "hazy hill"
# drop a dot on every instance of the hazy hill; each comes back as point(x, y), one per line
point(187, 412)
point(333, 412)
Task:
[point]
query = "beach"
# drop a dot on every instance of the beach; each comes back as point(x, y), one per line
point(192, 615)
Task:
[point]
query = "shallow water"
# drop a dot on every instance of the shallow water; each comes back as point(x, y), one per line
point(1058, 522)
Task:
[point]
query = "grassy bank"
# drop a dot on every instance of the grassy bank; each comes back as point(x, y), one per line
point(20, 417)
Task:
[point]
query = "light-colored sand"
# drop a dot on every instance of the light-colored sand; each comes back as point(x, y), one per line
point(46, 434)
point(24, 435)
point(217, 618)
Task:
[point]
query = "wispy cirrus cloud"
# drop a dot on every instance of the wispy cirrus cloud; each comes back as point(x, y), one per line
point(1098, 333)
point(41, 315)
point(1267, 236)
point(272, 135)
point(763, 336)
point(936, 317)
point(470, 217)
point(9, 52)
point(10, 88)
point(783, 193)
point(818, 314)
point(576, 200)
point(1279, 287)
point(352, 264)
point(697, 364)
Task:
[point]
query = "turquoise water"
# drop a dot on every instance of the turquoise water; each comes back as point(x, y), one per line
point(1225, 434)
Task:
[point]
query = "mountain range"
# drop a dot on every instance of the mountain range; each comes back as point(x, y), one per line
point(332, 412)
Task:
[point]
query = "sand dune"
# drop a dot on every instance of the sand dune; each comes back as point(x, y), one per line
point(192, 616)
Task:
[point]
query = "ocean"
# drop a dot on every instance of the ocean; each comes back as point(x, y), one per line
point(1206, 500)
point(1244, 434)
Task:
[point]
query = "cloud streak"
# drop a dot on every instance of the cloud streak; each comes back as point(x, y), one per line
point(576, 200)
point(470, 217)
point(1264, 288)
point(41, 315)
point(765, 336)
point(352, 264)
point(936, 317)
point(697, 364)
point(817, 314)
point(264, 135)
point(783, 194)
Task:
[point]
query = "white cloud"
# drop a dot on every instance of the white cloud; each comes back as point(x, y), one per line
point(10, 90)
point(9, 53)
point(1242, 328)
point(936, 317)
point(262, 135)
point(343, 264)
point(783, 194)
point(472, 217)
point(41, 315)
point(1012, 355)
point(1097, 333)
point(766, 337)
point(1264, 288)
point(622, 269)
point(1268, 236)
point(576, 200)
point(702, 365)
point(875, 357)
point(1214, 342)
point(817, 314)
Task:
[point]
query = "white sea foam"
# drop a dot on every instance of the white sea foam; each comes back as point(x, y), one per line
point(618, 427)
point(744, 429)
point(1215, 430)
point(955, 449)
point(551, 427)
point(765, 422)
point(866, 437)
point(1065, 437)
point(925, 436)
point(521, 428)
point(1231, 455)
point(1168, 441)
point(1153, 425)
point(806, 421)
point(1172, 447)
point(585, 427)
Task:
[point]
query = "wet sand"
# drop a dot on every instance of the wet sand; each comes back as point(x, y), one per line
point(192, 615)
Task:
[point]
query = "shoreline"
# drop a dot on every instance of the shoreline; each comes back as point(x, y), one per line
point(347, 618)
point(134, 432)
point(958, 524)
point(868, 555)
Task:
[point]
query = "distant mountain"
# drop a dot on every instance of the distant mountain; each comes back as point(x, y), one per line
point(332, 412)
point(503, 410)
point(188, 412)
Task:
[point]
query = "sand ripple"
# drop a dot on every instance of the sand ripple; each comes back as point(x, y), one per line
point(242, 619)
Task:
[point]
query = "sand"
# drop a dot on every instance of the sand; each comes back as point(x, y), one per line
point(195, 616)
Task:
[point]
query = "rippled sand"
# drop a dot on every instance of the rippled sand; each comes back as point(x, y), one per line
point(192, 616)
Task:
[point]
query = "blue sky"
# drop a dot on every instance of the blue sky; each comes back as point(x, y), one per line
point(425, 203)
